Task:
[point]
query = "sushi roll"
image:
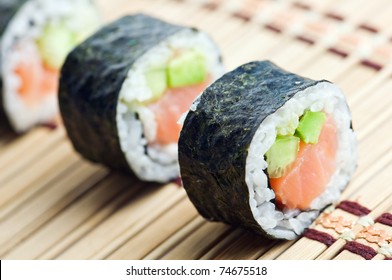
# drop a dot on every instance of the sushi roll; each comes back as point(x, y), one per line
point(36, 36)
point(267, 150)
point(123, 90)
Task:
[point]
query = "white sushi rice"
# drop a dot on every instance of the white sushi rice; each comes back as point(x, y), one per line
point(288, 224)
point(136, 123)
point(25, 27)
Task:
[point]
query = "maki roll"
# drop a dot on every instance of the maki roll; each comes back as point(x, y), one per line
point(123, 90)
point(36, 36)
point(267, 150)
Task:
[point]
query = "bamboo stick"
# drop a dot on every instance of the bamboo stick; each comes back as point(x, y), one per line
point(348, 256)
point(277, 250)
point(361, 110)
point(124, 223)
point(240, 245)
point(104, 213)
point(36, 177)
point(147, 239)
point(223, 244)
point(119, 241)
point(20, 159)
point(175, 239)
point(198, 242)
point(34, 214)
point(303, 249)
point(21, 143)
point(72, 217)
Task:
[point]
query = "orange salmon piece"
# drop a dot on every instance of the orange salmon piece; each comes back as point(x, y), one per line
point(310, 173)
point(37, 80)
point(169, 109)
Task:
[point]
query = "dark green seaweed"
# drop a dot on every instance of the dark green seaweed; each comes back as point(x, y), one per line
point(215, 138)
point(91, 79)
point(8, 9)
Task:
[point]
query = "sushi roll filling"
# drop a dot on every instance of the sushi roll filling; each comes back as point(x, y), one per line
point(42, 56)
point(279, 206)
point(160, 87)
point(289, 159)
point(173, 87)
point(34, 47)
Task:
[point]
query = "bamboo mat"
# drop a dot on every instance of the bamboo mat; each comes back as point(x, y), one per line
point(55, 205)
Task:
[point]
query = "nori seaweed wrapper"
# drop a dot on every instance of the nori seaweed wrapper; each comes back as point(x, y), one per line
point(91, 80)
point(8, 9)
point(215, 138)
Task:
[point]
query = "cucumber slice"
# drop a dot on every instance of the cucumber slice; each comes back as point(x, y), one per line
point(188, 68)
point(310, 125)
point(55, 43)
point(281, 155)
point(156, 81)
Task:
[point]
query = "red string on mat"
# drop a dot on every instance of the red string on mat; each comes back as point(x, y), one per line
point(385, 219)
point(353, 208)
point(364, 251)
point(319, 236)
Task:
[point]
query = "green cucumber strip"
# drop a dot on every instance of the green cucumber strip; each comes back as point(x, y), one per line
point(310, 125)
point(55, 43)
point(281, 155)
point(188, 68)
point(156, 81)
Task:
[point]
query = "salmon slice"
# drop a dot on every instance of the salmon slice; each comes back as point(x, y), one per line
point(36, 79)
point(169, 109)
point(310, 173)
